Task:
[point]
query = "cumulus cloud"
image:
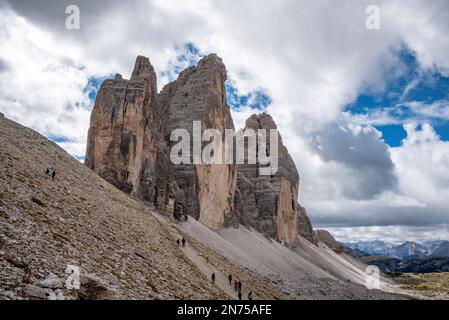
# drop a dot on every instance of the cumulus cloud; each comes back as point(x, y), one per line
point(369, 169)
point(423, 165)
point(310, 58)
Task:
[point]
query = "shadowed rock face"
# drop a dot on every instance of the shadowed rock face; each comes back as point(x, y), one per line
point(305, 229)
point(269, 203)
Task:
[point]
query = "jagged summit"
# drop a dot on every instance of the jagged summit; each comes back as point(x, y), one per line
point(142, 68)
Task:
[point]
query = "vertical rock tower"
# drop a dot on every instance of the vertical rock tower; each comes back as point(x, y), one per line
point(119, 128)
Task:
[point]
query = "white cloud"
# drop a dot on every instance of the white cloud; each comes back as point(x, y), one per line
point(426, 135)
point(42, 87)
point(392, 234)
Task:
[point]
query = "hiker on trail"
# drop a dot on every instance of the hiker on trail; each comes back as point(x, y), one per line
point(230, 279)
point(47, 173)
point(183, 242)
point(53, 174)
point(236, 284)
point(240, 295)
point(213, 278)
point(239, 285)
point(178, 242)
point(250, 295)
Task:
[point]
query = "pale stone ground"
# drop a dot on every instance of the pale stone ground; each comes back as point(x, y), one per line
point(307, 272)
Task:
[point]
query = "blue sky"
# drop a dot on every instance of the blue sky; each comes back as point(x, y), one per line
point(411, 86)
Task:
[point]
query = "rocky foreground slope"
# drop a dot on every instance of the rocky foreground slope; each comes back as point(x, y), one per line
point(126, 250)
point(80, 219)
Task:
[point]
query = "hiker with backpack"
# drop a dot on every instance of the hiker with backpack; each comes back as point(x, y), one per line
point(236, 284)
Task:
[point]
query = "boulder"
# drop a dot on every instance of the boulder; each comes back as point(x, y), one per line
point(93, 288)
point(51, 282)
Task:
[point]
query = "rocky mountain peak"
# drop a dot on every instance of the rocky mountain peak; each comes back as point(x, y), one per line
point(142, 69)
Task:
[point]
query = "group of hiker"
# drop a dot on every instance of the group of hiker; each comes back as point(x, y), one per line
point(237, 284)
point(179, 241)
point(50, 173)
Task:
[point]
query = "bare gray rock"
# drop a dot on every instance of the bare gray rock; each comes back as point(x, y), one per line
point(93, 288)
point(326, 237)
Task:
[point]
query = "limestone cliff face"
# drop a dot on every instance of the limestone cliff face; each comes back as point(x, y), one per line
point(118, 127)
point(269, 203)
point(199, 95)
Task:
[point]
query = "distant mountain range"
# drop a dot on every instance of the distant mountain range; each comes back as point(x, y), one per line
point(417, 265)
point(406, 250)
